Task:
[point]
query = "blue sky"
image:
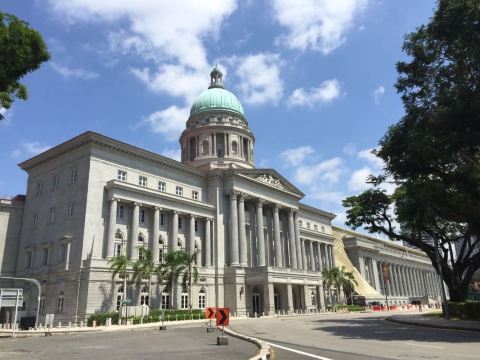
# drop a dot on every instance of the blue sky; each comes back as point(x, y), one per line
point(315, 79)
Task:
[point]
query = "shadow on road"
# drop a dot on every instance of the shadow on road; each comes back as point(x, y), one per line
point(374, 328)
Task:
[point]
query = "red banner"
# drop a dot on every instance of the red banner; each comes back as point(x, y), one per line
point(386, 272)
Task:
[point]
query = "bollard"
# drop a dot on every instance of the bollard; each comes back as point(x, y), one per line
point(108, 322)
point(94, 324)
point(69, 324)
point(81, 324)
point(255, 314)
point(59, 324)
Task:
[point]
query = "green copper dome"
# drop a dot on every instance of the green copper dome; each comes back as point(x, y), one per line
point(216, 98)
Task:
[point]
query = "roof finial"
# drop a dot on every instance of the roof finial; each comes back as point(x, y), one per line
point(216, 78)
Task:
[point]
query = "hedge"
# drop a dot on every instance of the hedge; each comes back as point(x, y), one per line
point(101, 318)
point(346, 307)
point(153, 316)
point(465, 310)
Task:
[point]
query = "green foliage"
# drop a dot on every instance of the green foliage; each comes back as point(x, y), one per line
point(170, 315)
point(465, 310)
point(101, 318)
point(338, 278)
point(119, 265)
point(432, 155)
point(351, 308)
point(22, 50)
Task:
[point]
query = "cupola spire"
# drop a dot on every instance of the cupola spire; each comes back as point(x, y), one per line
point(216, 80)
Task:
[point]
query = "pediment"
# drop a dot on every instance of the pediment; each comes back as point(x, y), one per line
point(271, 178)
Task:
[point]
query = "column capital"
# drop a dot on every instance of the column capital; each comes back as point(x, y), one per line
point(209, 219)
point(156, 208)
point(259, 203)
point(136, 203)
point(276, 208)
point(295, 213)
point(113, 199)
point(174, 212)
point(241, 197)
point(191, 216)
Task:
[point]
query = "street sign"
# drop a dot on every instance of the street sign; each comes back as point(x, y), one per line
point(210, 312)
point(8, 297)
point(223, 316)
point(126, 302)
point(49, 318)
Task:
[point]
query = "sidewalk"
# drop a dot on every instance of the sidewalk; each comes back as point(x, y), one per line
point(434, 322)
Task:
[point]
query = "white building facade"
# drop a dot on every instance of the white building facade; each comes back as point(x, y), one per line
point(92, 198)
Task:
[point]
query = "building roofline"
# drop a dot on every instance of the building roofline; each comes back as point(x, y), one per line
point(317, 211)
point(90, 137)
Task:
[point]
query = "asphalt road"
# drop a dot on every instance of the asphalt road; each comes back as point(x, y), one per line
point(191, 342)
point(358, 337)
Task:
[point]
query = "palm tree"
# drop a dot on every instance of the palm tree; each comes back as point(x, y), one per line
point(120, 265)
point(328, 278)
point(348, 282)
point(176, 263)
point(143, 268)
point(191, 274)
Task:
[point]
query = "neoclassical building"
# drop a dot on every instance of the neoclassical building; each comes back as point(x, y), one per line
point(92, 198)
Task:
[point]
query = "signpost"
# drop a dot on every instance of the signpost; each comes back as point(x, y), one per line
point(11, 298)
point(222, 317)
point(210, 314)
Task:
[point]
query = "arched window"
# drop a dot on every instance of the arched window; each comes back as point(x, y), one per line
point(234, 148)
point(60, 301)
point(141, 244)
point(120, 212)
point(144, 297)
point(120, 297)
point(180, 245)
point(162, 250)
point(201, 299)
point(117, 251)
point(205, 147)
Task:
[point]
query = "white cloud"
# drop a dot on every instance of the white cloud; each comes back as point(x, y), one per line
point(174, 154)
point(371, 158)
point(358, 179)
point(325, 93)
point(377, 93)
point(350, 149)
point(295, 157)
point(7, 116)
point(259, 75)
point(29, 149)
point(329, 171)
point(74, 73)
point(317, 24)
point(169, 122)
point(175, 30)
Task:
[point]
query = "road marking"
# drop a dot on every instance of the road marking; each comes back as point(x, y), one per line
point(429, 346)
point(299, 352)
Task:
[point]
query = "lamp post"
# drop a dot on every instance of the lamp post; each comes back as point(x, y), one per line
point(36, 282)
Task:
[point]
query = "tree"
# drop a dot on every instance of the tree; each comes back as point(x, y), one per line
point(432, 155)
point(347, 282)
point(22, 50)
point(143, 268)
point(176, 263)
point(120, 265)
point(329, 278)
point(190, 275)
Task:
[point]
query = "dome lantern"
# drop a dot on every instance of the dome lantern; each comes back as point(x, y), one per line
point(216, 80)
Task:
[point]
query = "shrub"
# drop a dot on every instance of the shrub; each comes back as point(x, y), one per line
point(465, 310)
point(101, 318)
point(347, 307)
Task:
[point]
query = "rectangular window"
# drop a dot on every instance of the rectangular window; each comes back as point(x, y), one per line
point(179, 222)
point(42, 305)
point(28, 259)
point(308, 225)
point(300, 223)
point(142, 216)
point(184, 301)
point(60, 302)
point(45, 252)
point(142, 181)
point(195, 195)
point(179, 191)
point(162, 186)
point(54, 183)
point(201, 300)
point(165, 301)
point(122, 175)
point(73, 176)
point(315, 227)
point(162, 219)
point(51, 219)
point(196, 226)
point(63, 252)
point(323, 229)
point(70, 210)
point(117, 251)
point(35, 221)
point(38, 189)
point(120, 212)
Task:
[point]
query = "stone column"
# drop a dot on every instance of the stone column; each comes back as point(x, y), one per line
point(173, 238)
point(208, 242)
point(241, 232)
point(319, 254)
point(417, 284)
point(361, 263)
point(276, 237)
point(260, 238)
point(298, 246)
point(289, 299)
point(312, 256)
point(291, 238)
point(401, 280)
point(304, 254)
point(268, 299)
point(214, 145)
point(420, 282)
point(380, 278)
point(134, 231)
point(376, 279)
point(112, 220)
point(191, 235)
point(332, 256)
point(329, 256)
point(412, 281)
point(234, 258)
point(393, 275)
point(155, 234)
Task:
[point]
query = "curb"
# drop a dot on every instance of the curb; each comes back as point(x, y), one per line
point(263, 347)
point(427, 325)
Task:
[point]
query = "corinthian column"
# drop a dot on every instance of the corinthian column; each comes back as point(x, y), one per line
point(173, 239)
point(208, 242)
point(134, 232)
point(291, 238)
point(276, 237)
point(112, 219)
point(233, 230)
point(312, 256)
point(241, 231)
point(298, 244)
point(260, 239)
point(155, 234)
point(191, 235)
